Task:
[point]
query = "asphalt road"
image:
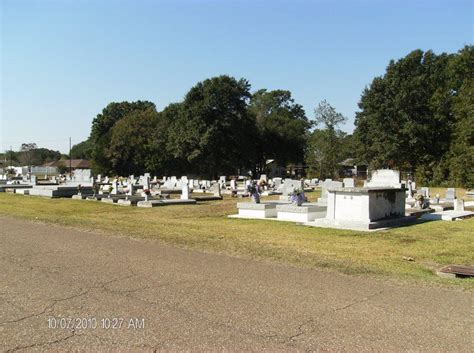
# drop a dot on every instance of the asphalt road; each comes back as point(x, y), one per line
point(63, 289)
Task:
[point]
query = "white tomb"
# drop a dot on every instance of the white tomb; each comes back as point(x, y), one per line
point(256, 210)
point(299, 213)
point(364, 208)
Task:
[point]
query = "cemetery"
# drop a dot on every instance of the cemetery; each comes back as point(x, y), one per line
point(237, 176)
point(296, 227)
point(384, 201)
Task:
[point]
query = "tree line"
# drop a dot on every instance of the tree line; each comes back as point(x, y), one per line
point(417, 117)
point(30, 154)
point(220, 128)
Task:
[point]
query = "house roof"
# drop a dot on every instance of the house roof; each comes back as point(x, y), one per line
point(75, 163)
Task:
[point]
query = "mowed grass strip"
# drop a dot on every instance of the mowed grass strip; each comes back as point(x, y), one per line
point(206, 227)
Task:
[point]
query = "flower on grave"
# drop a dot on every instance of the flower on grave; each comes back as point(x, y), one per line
point(296, 192)
point(254, 190)
point(297, 196)
point(147, 192)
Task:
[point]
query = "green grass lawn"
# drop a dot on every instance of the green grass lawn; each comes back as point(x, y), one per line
point(206, 227)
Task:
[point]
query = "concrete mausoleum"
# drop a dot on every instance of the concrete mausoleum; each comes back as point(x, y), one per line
point(364, 208)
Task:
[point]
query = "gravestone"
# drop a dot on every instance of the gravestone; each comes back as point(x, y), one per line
point(33, 179)
point(409, 190)
point(288, 186)
point(185, 192)
point(450, 195)
point(216, 189)
point(459, 205)
point(82, 175)
point(425, 192)
point(264, 178)
point(348, 182)
point(277, 182)
point(327, 184)
point(145, 181)
point(115, 187)
point(385, 178)
point(169, 184)
point(233, 184)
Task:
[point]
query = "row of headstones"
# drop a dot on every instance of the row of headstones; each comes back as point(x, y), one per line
point(450, 194)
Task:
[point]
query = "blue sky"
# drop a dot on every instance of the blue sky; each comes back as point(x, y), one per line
point(64, 61)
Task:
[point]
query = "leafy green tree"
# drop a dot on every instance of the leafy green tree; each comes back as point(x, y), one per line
point(27, 153)
point(403, 119)
point(82, 150)
point(459, 161)
point(212, 132)
point(132, 147)
point(282, 126)
point(102, 131)
point(325, 146)
point(418, 117)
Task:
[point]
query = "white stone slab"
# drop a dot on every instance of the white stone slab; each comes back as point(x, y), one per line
point(447, 215)
point(385, 178)
point(361, 226)
point(299, 213)
point(257, 210)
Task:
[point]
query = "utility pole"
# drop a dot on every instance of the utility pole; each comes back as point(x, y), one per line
point(70, 159)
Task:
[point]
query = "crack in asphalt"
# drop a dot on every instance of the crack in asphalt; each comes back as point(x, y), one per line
point(300, 331)
point(359, 301)
point(56, 301)
point(303, 328)
point(40, 344)
point(201, 317)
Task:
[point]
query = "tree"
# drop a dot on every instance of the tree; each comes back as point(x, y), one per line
point(27, 153)
point(82, 150)
point(282, 127)
point(325, 149)
point(132, 146)
point(415, 118)
point(459, 161)
point(212, 132)
point(102, 130)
